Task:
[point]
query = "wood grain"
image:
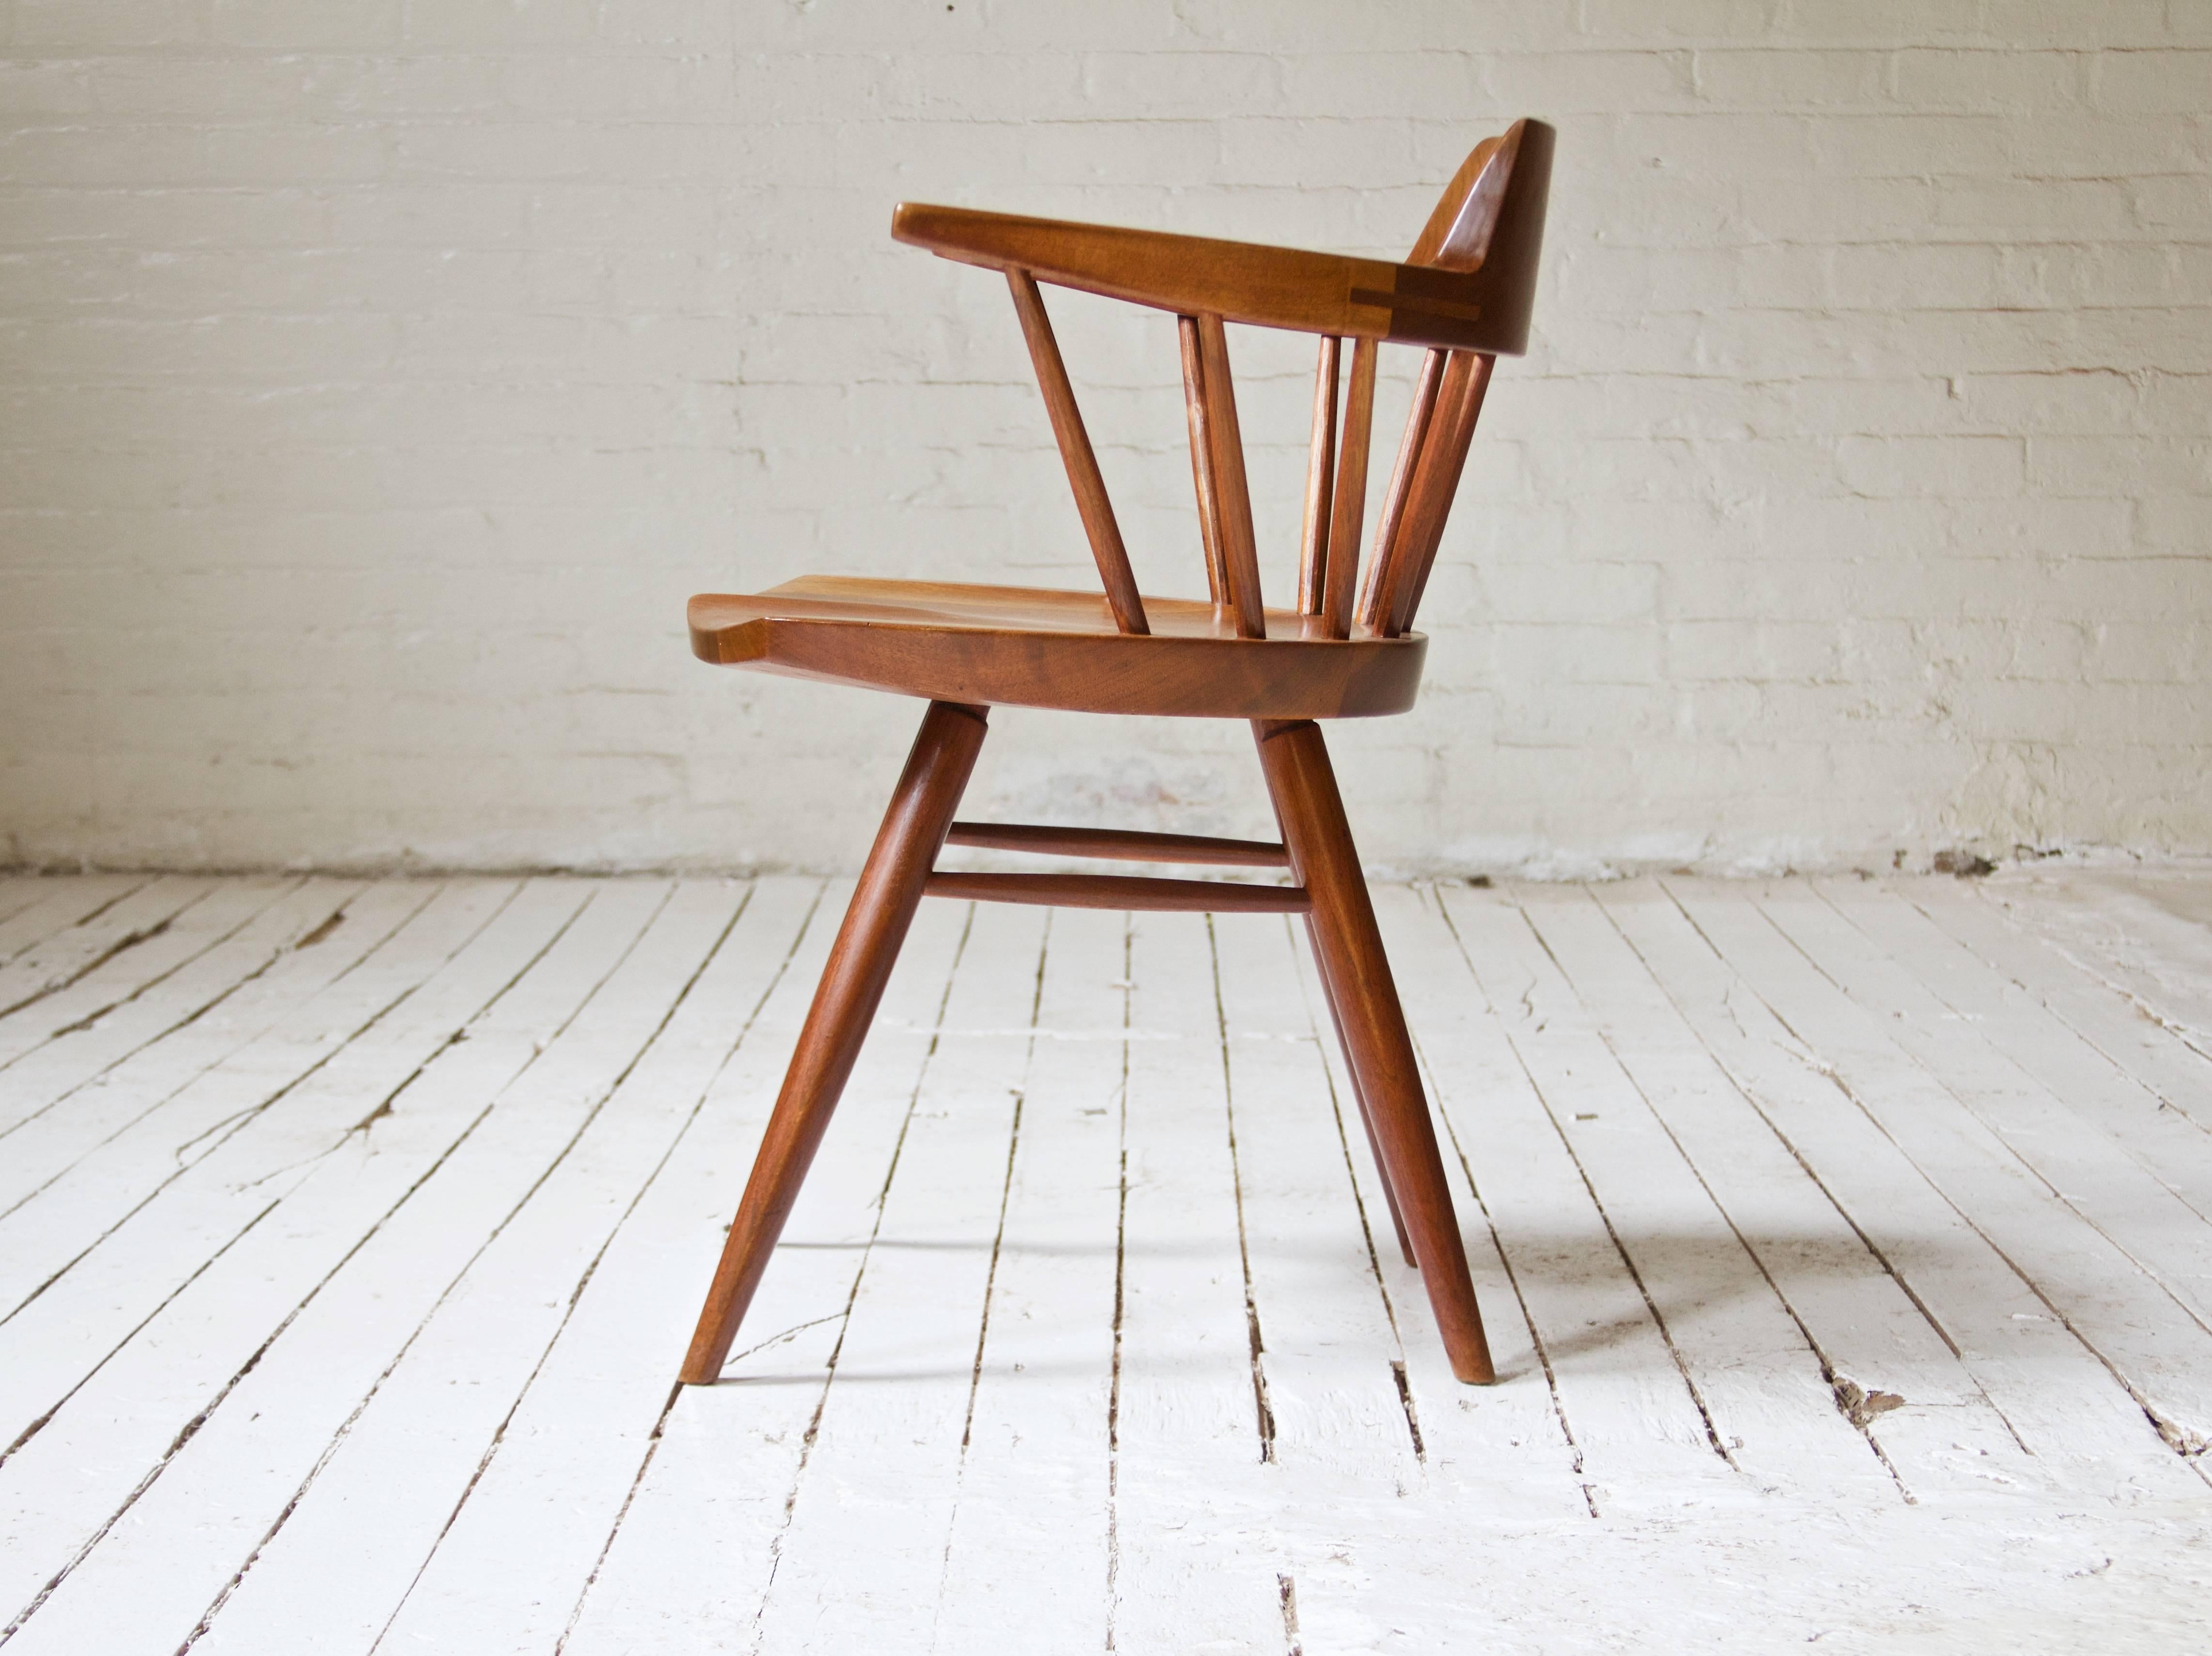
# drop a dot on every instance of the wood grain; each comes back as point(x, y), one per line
point(1201, 455)
point(867, 947)
point(1126, 891)
point(1390, 526)
point(1378, 1046)
point(1240, 558)
point(1486, 309)
point(1030, 648)
point(1313, 549)
point(966, 648)
point(1348, 501)
point(1075, 452)
point(1403, 578)
point(1124, 843)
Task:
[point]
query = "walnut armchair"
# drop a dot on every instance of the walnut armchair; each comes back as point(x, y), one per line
point(1347, 650)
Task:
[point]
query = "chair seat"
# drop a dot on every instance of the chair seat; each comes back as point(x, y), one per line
point(1028, 647)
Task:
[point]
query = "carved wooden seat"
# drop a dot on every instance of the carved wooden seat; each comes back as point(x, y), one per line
point(1022, 647)
point(1346, 650)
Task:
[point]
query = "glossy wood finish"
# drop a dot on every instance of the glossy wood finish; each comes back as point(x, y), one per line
point(1027, 647)
point(1119, 891)
point(1465, 292)
point(1075, 452)
point(1321, 482)
point(1349, 497)
point(1201, 454)
point(1458, 235)
point(1484, 309)
point(1231, 507)
point(1418, 419)
point(1403, 575)
point(883, 906)
point(1378, 1047)
point(1123, 843)
point(1330, 994)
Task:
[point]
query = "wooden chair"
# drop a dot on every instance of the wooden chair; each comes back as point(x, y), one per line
point(1346, 651)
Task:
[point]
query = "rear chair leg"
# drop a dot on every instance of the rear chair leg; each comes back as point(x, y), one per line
point(1378, 1046)
point(1359, 1097)
point(852, 985)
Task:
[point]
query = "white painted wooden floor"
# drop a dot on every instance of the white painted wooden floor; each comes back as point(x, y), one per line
point(1844, 1244)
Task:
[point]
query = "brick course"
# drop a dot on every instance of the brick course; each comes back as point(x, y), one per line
point(376, 381)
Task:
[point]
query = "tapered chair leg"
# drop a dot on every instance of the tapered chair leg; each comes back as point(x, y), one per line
point(1379, 1049)
point(861, 961)
point(1359, 1097)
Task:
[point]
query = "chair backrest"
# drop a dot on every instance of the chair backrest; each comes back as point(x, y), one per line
point(1466, 292)
point(1489, 223)
point(1490, 219)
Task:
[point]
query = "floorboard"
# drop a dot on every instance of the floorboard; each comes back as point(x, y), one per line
point(1845, 1247)
point(1026, 1562)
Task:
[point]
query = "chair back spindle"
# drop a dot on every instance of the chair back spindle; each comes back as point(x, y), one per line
point(1436, 482)
point(1075, 452)
point(1489, 223)
point(1350, 505)
point(1321, 482)
point(1418, 418)
point(1201, 455)
point(1494, 204)
point(1464, 295)
point(1232, 496)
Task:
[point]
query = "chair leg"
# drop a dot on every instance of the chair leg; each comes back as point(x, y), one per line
point(1350, 947)
point(1359, 1097)
point(861, 961)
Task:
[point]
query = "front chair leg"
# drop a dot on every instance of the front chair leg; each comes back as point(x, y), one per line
point(861, 961)
point(1377, 1045)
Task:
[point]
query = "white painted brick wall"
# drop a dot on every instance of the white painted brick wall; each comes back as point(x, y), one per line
point(379, 378)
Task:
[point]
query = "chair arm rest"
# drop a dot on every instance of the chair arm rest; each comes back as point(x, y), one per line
point(1238, 280)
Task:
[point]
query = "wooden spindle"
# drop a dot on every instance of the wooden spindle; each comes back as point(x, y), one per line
point(1436, 482)
point(1351, 492)
point(1321, 465)
point(1240, 558)
point(1401, 474)
point(1202, 456)
point(1075, 452)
